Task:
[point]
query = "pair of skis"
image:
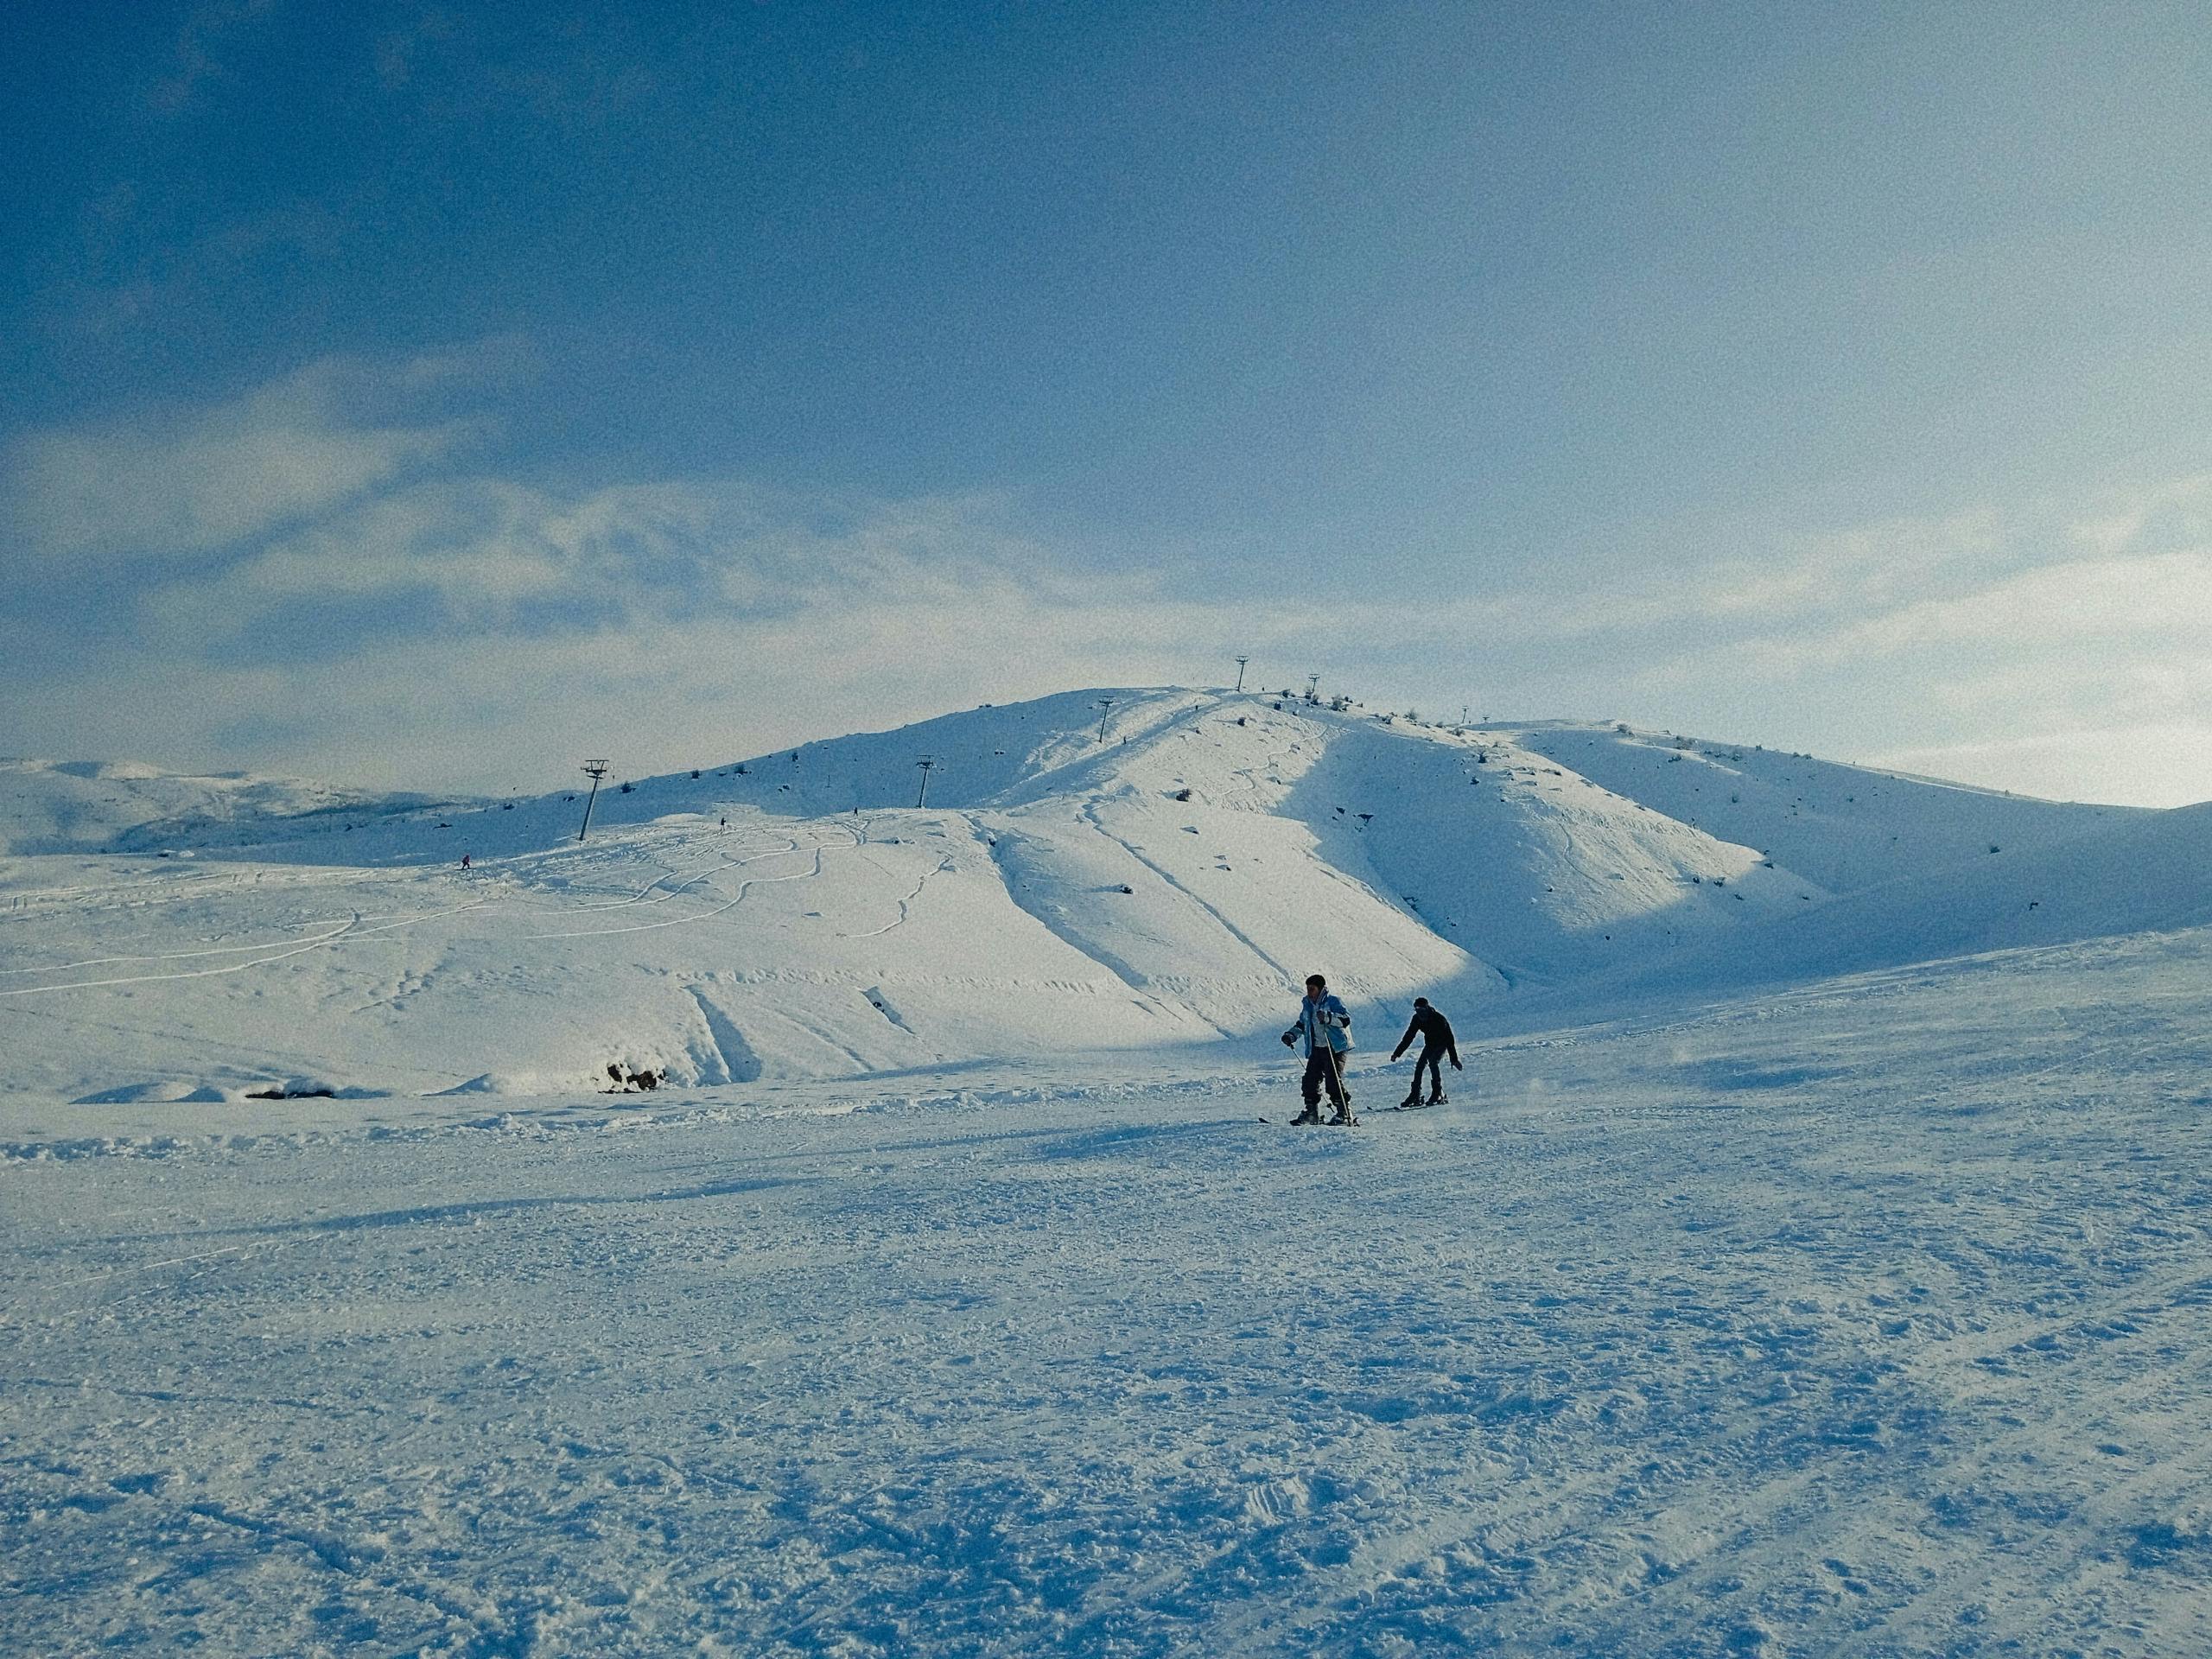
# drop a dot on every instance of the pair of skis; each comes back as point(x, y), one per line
point(1350, 1119)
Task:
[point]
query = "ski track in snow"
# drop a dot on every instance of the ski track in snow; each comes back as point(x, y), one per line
point(646, 895)
point(351, 932)
point(182, 956)
point(905, 902)
point(736, 899)
point(1091, 816)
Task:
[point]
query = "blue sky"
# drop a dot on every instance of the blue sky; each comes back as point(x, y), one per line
point(440, 393)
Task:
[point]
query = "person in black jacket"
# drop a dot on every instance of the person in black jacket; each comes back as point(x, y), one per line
point(1437, 1046)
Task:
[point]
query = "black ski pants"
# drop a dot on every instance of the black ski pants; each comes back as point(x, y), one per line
point(1432, 1059)
point(1323, 1067)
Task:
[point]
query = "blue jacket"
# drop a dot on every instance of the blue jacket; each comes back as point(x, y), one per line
point(1329, 1018)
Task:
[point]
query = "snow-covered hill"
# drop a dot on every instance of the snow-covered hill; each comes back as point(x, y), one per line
point(1095, 870)
point(1843, 827)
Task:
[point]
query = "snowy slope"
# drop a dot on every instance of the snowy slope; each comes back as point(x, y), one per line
point(2150, 873)
point(1168, 880)
point(1841, 826)
point(1867, 1322)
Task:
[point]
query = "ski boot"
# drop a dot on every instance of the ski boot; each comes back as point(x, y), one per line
point(1409, 1102)
point(1343, 1119)
point(1439, 1098)
point(1310, 1115)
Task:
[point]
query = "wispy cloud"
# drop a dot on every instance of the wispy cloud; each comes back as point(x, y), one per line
point(2164, 596)
point(2022, 655)
point(1790, 584)
point(2040, 577)
point(2175, 513)
point(398, 51)
point(186, 482)
point(309, 575)
point(199, 44)
point(781, 632)
point(495, 555)
point(2081, 605)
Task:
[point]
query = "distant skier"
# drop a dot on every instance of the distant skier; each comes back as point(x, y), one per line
point(1436, 1046)
point(1326, 1026)
point(464, 861)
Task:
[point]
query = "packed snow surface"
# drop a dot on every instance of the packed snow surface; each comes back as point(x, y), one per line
point(1812, 1257)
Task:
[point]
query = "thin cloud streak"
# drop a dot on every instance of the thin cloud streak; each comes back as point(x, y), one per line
point(199, 55)
point(177, 485)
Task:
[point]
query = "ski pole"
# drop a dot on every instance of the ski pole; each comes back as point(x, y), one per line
point(1337, 1072)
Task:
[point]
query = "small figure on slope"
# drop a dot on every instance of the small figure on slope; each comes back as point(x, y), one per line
point(1326, 1026)
point(1434, 1031)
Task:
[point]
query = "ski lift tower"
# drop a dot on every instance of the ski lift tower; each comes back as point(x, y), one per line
point(1312, 688)
point(1105, 708)
point(1241, 661)
point(928, 764)
point(594, 770)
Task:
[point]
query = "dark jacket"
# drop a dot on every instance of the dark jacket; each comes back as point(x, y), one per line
point(1434, 1032)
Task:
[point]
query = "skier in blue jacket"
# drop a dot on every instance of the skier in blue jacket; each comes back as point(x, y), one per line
point(1326, 1026)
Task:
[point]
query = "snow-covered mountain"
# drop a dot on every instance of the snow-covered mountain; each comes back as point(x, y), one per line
point(1162, 867)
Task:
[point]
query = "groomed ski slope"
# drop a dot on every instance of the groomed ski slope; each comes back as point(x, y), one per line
point(1868, 1320)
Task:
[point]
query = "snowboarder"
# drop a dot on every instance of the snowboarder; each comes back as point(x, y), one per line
point(1434, 1031)
point(1326, 1026)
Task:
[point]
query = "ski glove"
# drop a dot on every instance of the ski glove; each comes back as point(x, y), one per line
point(1456, 1066)
point(1290, 1039)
